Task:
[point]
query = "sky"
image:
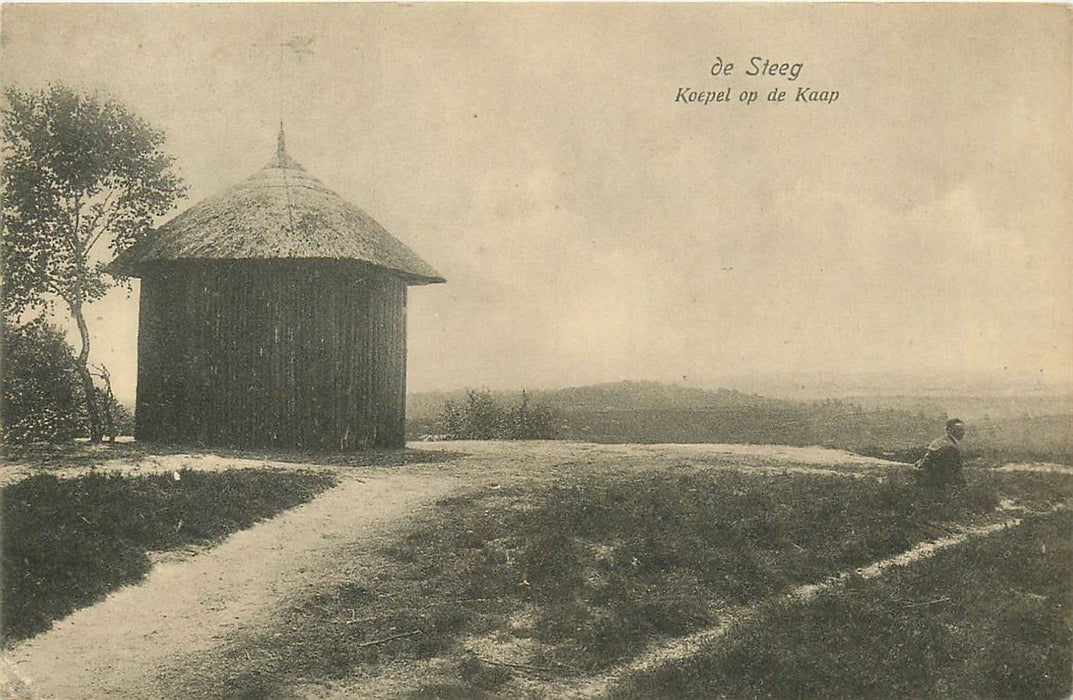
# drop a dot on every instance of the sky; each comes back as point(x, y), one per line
point(593, 226)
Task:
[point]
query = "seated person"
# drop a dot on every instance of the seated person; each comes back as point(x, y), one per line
point(941, 466)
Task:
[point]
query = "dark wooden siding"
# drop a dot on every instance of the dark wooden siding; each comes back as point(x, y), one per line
point(307, 354)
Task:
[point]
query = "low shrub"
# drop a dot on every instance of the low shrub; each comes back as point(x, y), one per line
point(482, 417)
point(42, 392)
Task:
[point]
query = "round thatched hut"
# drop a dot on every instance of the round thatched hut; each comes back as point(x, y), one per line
point(273, 314)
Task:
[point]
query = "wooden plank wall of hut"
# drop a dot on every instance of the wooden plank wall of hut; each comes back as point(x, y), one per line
point(282, 354)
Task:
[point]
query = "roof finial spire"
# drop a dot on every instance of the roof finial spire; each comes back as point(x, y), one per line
point(281, 149)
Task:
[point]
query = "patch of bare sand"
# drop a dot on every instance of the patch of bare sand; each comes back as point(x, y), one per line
point(759, 459)
point(117, 647)
point(1038, 467)
point(149, 464)
point(815, 456)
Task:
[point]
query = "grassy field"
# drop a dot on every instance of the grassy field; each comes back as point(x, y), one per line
point(68, 542)
point(989, 620)
point(521, 589)
point(555, 565)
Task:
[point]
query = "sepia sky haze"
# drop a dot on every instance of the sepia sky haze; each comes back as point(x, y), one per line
point(593, 229)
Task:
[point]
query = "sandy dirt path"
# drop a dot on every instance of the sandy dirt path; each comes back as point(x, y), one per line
point(117, 647)
point(1037, 467)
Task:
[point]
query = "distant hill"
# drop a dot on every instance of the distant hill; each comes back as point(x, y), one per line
point(650, 412)
point(612, 396)
point(628, 395)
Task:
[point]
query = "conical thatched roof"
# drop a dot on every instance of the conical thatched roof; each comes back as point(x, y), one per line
point(278, 213)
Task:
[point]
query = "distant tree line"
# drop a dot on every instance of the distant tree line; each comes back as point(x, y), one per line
point(482, 417)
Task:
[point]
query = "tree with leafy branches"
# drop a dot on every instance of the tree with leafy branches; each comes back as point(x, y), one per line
point(83, 180)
